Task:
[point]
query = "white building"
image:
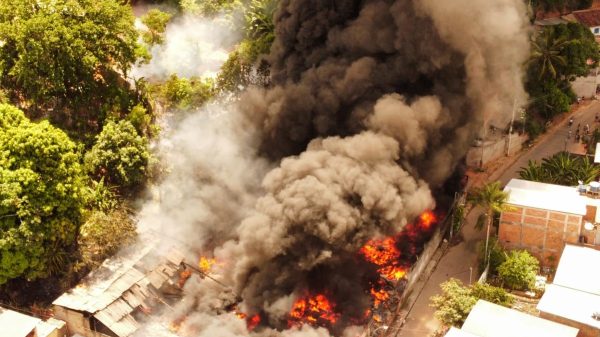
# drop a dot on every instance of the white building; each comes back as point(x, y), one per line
point(574, 296)
point(15, 324)
point(491, 320)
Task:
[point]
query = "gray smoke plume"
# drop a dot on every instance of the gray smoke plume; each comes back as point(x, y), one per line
point(370, 103)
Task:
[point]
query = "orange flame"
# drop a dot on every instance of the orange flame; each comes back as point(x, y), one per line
point(427, 219)
point(253, 322)
point(184, 275)
point(385, 255)
point(379, 296)
point(206, 264)
point(176, 324)
point(314, 310)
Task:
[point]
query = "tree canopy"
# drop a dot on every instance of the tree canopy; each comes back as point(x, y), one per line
point(562, 169)
point(42, 193)
point(455, 302)
point(560, 53)
point(67, 55)
point(120, 155)
point(156, 22)
point(560, 5)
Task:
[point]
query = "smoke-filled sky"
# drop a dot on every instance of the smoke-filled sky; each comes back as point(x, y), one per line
point(371, 104)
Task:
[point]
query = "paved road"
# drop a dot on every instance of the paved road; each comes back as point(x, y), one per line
point(462, 258)
point(555, 142)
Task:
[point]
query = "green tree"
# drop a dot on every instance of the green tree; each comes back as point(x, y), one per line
point(120, 155)
point(560, 53)
point(519, 269)
point(492, 199)
point(156, 22)
point(209, 7)
point(455, 302)
point(244, 66)
point(67, 57)
point(562, 169)
point(559, 5)
point(42, 193)
point(183, 93)
point(546, 55)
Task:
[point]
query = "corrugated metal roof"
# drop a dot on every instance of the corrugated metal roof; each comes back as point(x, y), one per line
point(95, 297)
point(14, 324)
point(122, 284)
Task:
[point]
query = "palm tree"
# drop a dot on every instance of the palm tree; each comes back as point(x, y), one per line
point(534, 172)
point(587, 171)
point(546, 55)
point(493, 200)
point(562, 169)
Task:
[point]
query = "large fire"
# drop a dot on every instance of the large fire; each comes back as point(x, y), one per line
point(391, 256)
point(313, 309)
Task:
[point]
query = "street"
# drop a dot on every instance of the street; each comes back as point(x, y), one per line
point(461, 259)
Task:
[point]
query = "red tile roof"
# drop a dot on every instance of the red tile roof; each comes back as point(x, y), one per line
point(588, 17)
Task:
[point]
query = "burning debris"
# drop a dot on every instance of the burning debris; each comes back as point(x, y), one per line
point(370, 104)
point(315, 310)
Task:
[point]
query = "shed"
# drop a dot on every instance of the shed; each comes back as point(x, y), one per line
point(107, 300)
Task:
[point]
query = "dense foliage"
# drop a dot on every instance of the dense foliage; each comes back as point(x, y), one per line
point(156, 23)
point(42, 193)
point(562, 169)
point(103, 233)
point(496, 254)
point(560, 53)
point(519, 269)
point(244, 66)
point(456, 301)
point(120, 155)
point(181, 93)
point(67, 58)
point(560, 5)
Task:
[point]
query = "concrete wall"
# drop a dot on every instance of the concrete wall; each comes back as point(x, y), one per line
point(76, 322)
point(584, 330)
point(494, 149)
point(429, 250)
point(541, 232)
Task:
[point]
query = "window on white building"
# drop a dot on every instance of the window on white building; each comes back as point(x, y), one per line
point(597, 30)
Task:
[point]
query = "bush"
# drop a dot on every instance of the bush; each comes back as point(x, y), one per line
point(456, 301)
point(120, 155)
point(519, 269)
point(103, 234)
point(492, 294)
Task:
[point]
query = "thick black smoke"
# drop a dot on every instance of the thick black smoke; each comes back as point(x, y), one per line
point(370, 103)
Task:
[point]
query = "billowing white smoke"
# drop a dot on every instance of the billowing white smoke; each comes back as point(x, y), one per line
point(194, 46)
point(212, 176)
